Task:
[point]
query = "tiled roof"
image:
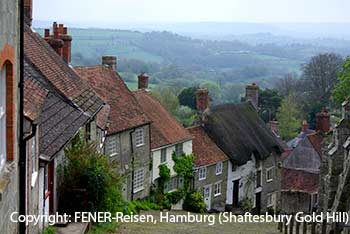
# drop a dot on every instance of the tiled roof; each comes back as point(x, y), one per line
point(204, 149)
point(59, 74)
point(165, 129)
point(125, 112)
point(299, 181)
point(102, 116)
point(239, 131)
point(59, 118)
point(34, 94)
point(316, 140)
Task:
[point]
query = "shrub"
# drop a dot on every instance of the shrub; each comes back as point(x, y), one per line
point(246, 204)
point(176, 196)
point(136, 206)
point(194, 202)
point(49, 230)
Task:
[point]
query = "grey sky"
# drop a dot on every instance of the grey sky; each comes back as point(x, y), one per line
point(125, 11)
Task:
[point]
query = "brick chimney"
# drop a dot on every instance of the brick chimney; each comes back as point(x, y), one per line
point(110, 61)
point(274, 127)
point(252, 94)
point(28, 10)
point(60, 41)
point(304, 126)
point(143, 81)
point(323, 121)
point(202, 99)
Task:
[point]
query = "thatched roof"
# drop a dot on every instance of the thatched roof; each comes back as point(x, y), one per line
point(239, 131)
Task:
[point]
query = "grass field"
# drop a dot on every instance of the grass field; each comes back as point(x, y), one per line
point(188, 228)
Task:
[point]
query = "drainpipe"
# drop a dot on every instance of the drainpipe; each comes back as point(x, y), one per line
point(21, 142)
point(132, 163)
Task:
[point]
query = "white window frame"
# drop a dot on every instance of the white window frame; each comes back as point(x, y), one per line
point(202, 173)
point(33, 155)
point(269, 200)
point(163, 159)
point(112, 146)
point(177, 146)
point(269, 177)
point(139, 137)
point(218, 168)
point(3, 117)
point(217, 189)
point(139, 178)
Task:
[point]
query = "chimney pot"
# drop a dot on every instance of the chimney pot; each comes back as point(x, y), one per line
point(304, 126)
point(47, 33)
point(202, 99)
point(55, 33)
point(323, 121)
point(60, 28)
point(110, 61)
point(65, 31)
point(252, 94)
point(143, 81)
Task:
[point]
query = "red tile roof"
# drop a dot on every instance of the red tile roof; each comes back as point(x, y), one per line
point(204, 149)
point(165, 129)
point(34, 96)
point(125, 112)
point(59, 74)
point(102, 116)
point(298, 180)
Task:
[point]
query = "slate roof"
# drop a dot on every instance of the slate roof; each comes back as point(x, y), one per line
point(58, 73)
point(239, 131)
point(165, 129)
point(299, 181)
point(125, 112)
point(295, 141)
point(206, 152)
point(59, 118)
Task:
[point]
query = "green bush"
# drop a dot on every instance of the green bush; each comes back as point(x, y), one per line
point(136, 206)
point(49, 230)
point(246, 204)
point(194, 202)
point(176, 196)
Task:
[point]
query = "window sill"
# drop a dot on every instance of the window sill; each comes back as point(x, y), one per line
point(218, 173)
point(113, 155)
point(200, 179)
point(268, 181)
point(140, 145)
point(218, 194)
point(138, 189)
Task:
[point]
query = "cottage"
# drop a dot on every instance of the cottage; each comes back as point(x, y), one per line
point(167, 135)
point(211, 169)
point(128, 134)
point(254, 152)
point(9, 114)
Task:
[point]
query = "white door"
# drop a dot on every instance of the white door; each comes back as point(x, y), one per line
point(207, 196)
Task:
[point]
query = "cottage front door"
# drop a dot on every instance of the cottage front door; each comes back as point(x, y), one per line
point(235, 195)
point(207, 196)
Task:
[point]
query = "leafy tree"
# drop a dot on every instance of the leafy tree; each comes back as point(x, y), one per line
point(288, 84)
point(186, 115)
point(269, 102)
point(288, 118)
point(214, 90)
point(319, 78)
point(342, 90)
point(231, 93)
point(187, 97)
point(167, 98)
point(184, 167)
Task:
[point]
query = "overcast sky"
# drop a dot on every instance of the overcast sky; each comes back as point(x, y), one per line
point(128, 11)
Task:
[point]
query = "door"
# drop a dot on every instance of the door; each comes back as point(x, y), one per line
point(207, 196)
point(51, 176)
point(258, 202)
point(235, 198)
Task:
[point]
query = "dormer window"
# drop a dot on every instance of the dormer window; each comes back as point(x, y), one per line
point(139, 137)
point(2, 117)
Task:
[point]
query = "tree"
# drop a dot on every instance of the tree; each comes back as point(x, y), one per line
point(269, 102)
point(288, 118)
point(186, 115)
point(187, 97)
point(287, 85)
point(319, 78)
point(167, 98)
point(231, 93)
point(342, 89)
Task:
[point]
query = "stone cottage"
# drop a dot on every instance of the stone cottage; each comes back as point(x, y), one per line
point(254, 152)
point(9, 114)
point(128, 134)
point(211, 169)
point(167, 135)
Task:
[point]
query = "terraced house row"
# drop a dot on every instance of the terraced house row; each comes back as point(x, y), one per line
point(237, 157)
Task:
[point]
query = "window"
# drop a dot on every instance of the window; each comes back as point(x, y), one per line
point(46, 178)
point(258, 178)
point(218, 170)
point(217, 189)
point(138, 180)
point(202, 173)
point(269, 174)
point(163, 156)
point(139, 137)
point(206, 192)
point(112, 146)
point(172, 184)
point(179, 149)
point(2, 117)
point(270, 200)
